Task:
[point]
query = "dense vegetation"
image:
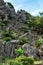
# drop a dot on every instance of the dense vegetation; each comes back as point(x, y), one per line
point(35, 22)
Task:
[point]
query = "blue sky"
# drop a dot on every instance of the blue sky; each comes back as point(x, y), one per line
point(32, 6)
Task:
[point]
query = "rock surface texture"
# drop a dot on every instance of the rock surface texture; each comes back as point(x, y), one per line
point(14, 21)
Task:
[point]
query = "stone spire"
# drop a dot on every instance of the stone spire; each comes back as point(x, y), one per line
point(1, 2)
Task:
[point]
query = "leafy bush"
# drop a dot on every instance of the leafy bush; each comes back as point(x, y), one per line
point(30, 23)
point(2, 24)
point(1, 64)
point(21, 60)
point(6, 35)
point(35, 22)
point(24, 29)
point(14, 35)
point(23, 40)
point(4, 58)
point(19, 51)
point(7, 39)
point(38, 42)
point(10, 62)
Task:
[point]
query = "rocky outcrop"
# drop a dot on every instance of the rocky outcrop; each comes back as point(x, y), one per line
point(10, 20)
point(28, 50)
point(1, 2)
point(32, 51)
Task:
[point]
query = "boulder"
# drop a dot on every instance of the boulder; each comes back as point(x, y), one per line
point(28, 50)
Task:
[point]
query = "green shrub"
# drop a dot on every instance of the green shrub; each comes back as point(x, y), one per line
point(1, 63)
point(7, 39)
point(6, 35)
point(2, 24)
point(38, 42)
point(14, 35)
point(21, 60)
point(23, 40)
point(19, 51)
point(24, 29)
point(4, 58)
point(9, 62)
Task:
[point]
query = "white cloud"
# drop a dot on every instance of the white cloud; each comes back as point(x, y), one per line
point(18, 7)
point(6, 0)
point(36, 12)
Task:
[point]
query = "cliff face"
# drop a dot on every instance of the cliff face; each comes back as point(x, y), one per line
point(16, 22)
point(10, 20)
point(8, 14)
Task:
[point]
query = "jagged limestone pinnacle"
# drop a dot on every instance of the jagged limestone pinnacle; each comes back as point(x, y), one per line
point(1, 2)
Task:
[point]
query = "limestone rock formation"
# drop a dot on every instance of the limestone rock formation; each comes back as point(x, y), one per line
point(28, 50)
point(1, 2)
point(10, 20)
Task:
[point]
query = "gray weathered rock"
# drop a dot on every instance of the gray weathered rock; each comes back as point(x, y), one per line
point(1, 2)
point(14, 21)
point(28, 50)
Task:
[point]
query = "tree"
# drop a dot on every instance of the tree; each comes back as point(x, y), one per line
point(9, 4)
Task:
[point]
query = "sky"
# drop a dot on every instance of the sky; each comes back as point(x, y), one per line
point(31, 6)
